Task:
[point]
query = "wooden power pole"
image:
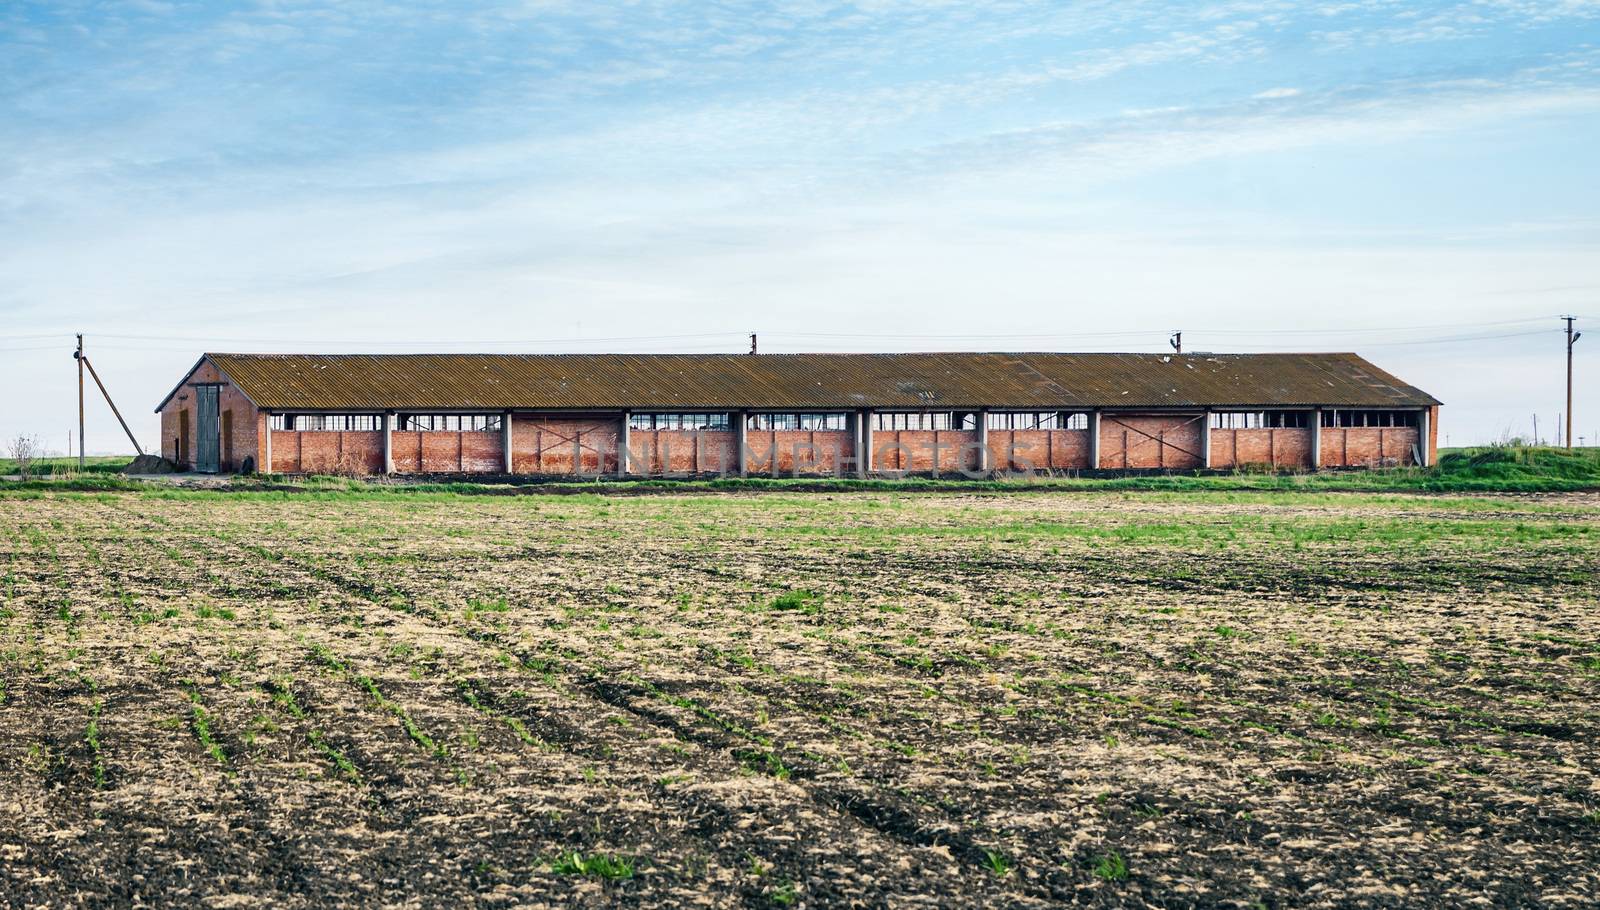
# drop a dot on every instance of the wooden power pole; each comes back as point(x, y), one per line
point(78, 356)
point(1572, 339)
point(83, 361)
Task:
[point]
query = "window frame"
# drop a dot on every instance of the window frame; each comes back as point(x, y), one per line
point(1370, 419)
point(685, 421)
point(924, 421)
point(1038, 420)
point(1260, 419)
point(798, 421)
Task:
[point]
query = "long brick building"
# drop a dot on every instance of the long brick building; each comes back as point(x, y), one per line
point(791, 414)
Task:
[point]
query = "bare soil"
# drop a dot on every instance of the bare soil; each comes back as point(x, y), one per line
point(1181, 700)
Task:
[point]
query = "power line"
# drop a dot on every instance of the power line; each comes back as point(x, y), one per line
point(1386, 344)
point(1386, 329)
point(1434, 327)
point(686, 340)
point(496, 342)
point(1423, 341)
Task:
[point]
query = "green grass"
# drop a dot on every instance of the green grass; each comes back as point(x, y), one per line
point(804, 601)
point(1111, 867)
point(611, 868)
point(94, 464)
point(201, 723)
point(1484, 470)
point(997, 862)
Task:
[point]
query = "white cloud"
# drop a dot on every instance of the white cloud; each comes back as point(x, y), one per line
point(680, 169)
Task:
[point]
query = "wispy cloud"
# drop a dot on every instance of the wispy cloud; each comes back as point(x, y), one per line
point(647, 160)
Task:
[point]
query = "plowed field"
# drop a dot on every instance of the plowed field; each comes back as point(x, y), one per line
point(792, 700)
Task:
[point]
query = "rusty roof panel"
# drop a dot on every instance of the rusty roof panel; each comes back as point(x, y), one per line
point(1043, 381)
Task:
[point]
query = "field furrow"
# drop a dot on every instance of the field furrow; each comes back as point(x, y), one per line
point(773, 700)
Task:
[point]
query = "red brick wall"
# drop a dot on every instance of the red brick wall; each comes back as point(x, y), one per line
point(1367, 447)
point(445, 452)
point(912, 451)
point(1284, 448)
point(799, 451)
point(171, 448)
point(327, 451)
point(1150, 441)
point(682, 452)
point(543, 445)
point(1039, 450)
point(233, 410)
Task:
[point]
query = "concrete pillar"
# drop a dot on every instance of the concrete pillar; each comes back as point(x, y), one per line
point(856, 440)
point(1205, 440)
point(266, 465)
point(505, 442)
point(867, 417)
point(387, 424)
point(740, 427)
point(624, 439)
point(1424, 434)
point(983, 442)
point(1316, 439)
point(1094, 440)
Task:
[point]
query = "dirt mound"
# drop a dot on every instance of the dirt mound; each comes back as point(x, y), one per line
point(150, 464)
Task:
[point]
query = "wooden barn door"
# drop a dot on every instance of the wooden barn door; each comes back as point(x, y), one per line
point(207, 432)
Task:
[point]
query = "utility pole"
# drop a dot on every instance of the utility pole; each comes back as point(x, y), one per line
point(1176, 341)
point(83, 361)
point(1572, 339)
point(1536, 430)
point(78, 356)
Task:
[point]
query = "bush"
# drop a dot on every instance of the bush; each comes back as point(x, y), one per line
point(23, 450)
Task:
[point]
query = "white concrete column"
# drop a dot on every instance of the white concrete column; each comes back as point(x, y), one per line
point(505, 442)
point(267, 445)
point(624, 440)
point(856, 438)
point(1424, 433)
point(1094, 440)
point(1316, 439)
point(1205, 440)
point(387, 423)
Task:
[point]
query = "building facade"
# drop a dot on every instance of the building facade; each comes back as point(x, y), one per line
point(791, 414)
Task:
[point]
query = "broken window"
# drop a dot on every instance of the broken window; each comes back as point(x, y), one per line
point(1038, 420)
point(1369, 418)
point(453, 423)
point(797, 421)
point(924, 420)
point(678, 421)
point(1259, 420)
point(327, 422)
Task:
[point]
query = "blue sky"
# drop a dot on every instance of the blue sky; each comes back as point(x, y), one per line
point(1413, 181)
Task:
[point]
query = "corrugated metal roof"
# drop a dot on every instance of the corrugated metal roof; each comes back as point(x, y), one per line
point(1044, 381)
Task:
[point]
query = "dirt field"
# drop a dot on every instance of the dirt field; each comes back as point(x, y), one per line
point(787, 700)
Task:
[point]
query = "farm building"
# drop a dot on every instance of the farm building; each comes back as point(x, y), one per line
point(790, 414)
